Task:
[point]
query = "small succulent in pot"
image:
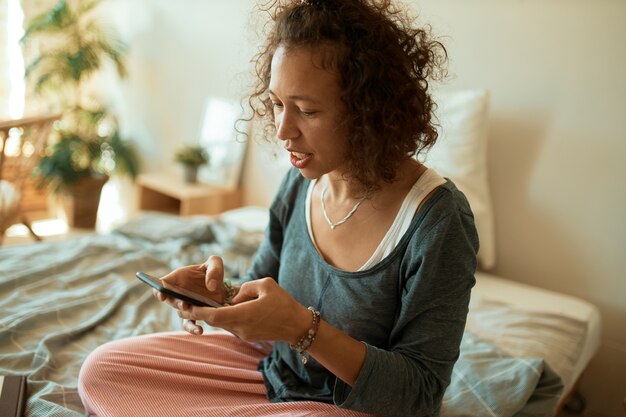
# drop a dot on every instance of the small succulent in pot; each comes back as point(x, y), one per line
point(191, 157)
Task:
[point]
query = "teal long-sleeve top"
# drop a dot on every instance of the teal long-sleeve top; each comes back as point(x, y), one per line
point(409, 309)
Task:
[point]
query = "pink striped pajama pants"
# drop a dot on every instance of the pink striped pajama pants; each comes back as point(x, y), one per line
point(177, 374)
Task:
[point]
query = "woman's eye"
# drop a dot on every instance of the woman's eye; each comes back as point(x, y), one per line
point(307, 113)
point(277, 105)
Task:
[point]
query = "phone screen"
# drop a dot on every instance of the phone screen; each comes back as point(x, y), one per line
point(177, 292)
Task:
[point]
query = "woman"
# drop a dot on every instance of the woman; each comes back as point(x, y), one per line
point(363, 280)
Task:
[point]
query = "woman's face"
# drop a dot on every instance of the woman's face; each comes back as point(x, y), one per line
point(308, 111)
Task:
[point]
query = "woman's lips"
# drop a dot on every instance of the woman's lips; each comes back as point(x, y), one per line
point(299, 159)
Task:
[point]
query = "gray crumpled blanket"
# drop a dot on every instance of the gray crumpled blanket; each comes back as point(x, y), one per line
point(60, 300)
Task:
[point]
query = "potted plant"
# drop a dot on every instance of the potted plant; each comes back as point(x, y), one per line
point(86, 147)
point(191, 157)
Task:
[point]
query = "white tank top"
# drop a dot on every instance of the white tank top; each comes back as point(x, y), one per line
point(426, 183)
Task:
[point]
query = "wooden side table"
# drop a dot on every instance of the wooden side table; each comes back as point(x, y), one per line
point(170, 194)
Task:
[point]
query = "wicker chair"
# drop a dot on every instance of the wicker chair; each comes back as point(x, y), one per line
point(22, 142)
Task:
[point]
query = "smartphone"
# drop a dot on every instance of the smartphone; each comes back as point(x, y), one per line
point(177, 292)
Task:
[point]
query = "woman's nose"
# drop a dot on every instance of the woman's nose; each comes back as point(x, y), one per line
point(286, 127)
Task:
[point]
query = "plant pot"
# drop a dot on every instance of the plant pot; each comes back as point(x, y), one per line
point(80, 202)
point(190, 174)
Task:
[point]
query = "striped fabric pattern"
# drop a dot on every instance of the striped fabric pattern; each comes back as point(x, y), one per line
point(178, 374)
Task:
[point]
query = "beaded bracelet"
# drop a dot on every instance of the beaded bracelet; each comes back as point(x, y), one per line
point(307, 340)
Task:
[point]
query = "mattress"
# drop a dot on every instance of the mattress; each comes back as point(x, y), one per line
point(526, 320)
point(521, 347)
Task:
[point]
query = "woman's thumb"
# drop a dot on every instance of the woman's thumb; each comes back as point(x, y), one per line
point(214, 275)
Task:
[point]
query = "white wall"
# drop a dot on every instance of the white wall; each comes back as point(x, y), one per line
point(558, 130)
point(180, 53)
point(558, 134)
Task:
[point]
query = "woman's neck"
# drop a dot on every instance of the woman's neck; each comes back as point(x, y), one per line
point(340, 189)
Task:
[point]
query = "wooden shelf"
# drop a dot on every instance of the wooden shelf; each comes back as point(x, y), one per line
point(171, 195)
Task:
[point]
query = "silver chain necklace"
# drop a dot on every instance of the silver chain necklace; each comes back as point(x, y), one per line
point(345, 219)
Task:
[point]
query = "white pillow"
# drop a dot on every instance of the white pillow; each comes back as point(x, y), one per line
point(461, 155)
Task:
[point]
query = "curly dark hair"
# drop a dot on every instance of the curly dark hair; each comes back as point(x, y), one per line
point(385, 64)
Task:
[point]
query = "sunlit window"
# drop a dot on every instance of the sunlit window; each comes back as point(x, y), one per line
point(16, 59)
point(111, 208)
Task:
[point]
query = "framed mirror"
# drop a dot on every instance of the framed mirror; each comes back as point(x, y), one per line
point(224, 144)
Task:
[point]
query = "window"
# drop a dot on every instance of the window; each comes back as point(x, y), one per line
point(15, 30)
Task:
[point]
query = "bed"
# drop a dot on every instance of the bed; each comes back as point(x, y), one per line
point(523, 350)
point(522, 353)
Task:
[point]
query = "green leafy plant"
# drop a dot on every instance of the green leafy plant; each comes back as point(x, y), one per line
point(192, 156)
point(73, 157)
point(73, 48)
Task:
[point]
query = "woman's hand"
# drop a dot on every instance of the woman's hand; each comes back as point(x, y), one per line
point(261, 311)
point(205, 279)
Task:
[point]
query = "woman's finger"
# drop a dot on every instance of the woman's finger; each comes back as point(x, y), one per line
point(192, 327)
point(160, 296)
point(214, 275)
point(172, 302)
point(248, 291)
